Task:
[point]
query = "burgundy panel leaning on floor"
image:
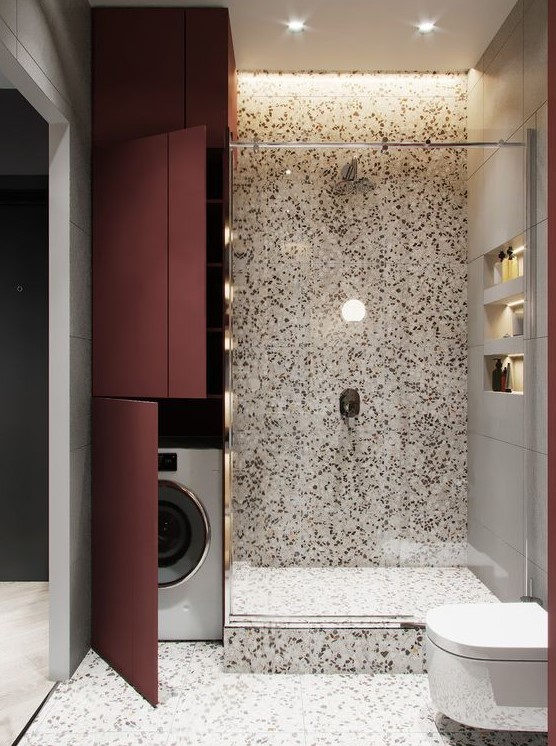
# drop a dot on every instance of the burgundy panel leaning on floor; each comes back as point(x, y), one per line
point(125, 540)
point(138, 72)
point(130, 268)
point(187, 322)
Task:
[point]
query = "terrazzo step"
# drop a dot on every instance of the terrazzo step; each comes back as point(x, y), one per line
point(326, 650)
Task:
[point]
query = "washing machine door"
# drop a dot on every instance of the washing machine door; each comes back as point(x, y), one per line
point(183, 533)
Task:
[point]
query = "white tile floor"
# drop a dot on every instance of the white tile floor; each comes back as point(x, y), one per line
point(351, 591)
point(204, 706)
point(23, 655)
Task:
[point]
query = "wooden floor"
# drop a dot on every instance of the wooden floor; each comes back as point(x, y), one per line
point(23, 655)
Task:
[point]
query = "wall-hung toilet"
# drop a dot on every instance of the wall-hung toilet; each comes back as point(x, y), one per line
point(487, 664)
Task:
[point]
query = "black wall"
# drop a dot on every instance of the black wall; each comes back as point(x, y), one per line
point(23, 341)
point(23, 137)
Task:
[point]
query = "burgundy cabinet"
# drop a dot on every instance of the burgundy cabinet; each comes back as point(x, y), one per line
point(149, 265)
point(210, 66)
point(138, 73)
point(187, 283)
point(130, 269)
point(164, 94)
point(124, 534)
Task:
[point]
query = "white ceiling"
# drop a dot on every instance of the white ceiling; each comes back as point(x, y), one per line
point(354, 34)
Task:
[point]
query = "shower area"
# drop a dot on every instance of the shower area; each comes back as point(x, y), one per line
point(348, 483)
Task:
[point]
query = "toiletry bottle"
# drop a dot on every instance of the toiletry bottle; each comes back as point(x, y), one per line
point(503, 265)
point(505, 270)
point(517, 321)
point(497, 376)
point(513, 268)
point(503, 379)
point(508, 388)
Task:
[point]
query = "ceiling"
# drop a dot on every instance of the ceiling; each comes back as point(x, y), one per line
point(354, 34)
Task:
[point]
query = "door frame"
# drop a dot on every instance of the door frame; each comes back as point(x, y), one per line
point(59, 359)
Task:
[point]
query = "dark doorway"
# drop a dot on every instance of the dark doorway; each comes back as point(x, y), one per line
point(23, 340)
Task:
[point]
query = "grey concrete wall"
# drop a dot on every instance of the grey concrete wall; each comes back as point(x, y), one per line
point(46, 45)
point(507, 434)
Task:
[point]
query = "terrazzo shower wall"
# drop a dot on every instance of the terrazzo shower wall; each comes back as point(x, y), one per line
point(392, 489)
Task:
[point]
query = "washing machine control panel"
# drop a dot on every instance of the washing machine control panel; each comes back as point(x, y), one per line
point(167, 462)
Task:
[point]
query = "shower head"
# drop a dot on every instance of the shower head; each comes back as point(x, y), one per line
point(349, 183)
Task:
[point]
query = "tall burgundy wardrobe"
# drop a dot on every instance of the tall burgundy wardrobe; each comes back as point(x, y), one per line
point(163, 112)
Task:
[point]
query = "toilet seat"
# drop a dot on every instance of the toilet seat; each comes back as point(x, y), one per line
point(491, 631)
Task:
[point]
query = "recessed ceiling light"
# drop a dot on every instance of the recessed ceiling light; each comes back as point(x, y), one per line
point(426, 27)
point(296, 26)
point(288, 171)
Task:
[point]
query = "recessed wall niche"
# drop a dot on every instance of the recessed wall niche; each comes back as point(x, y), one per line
point(504, 312)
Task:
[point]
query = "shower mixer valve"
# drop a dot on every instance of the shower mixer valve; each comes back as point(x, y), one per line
point(350, 403)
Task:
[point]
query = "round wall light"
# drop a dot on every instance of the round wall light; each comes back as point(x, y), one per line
point(296, 26)
point(426, 27)
point(353, 310)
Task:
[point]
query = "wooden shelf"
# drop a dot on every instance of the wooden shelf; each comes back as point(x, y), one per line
point(215, 201)
point(215, 329)
point(215, 265)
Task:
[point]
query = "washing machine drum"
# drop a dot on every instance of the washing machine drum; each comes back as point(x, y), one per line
point(183, 533)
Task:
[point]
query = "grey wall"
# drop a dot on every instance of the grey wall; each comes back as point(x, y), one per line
point(23, 136)
point(507, 435)
point(48, 41)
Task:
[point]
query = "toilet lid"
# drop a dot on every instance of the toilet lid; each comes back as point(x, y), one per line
point(491, 631)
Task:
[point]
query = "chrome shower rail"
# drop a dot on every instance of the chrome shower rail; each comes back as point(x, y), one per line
point(382, 145)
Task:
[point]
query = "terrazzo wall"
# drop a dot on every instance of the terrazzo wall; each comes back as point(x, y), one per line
point(392, 489)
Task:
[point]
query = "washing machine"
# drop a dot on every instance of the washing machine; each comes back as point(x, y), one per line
point(190, 544)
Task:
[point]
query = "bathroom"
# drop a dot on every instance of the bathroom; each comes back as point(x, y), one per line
point(347, 530)
point(437, 467)
point(341, 531)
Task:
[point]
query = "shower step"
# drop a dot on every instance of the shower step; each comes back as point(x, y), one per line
point(295, 647)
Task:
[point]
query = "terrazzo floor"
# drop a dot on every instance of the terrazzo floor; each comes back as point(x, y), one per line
point(23, 655)
point(400, 592)
point(204, 706)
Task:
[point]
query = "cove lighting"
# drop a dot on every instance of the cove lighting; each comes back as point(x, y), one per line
point(353, 310)
point(519, 250)
point(296, 26)
point(426, 27)
point(516, 303)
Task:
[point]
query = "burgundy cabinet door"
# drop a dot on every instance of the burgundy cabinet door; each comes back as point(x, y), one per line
point(138, 72)
point(125, 540)
point(130, 269)
point(187, 341)
point(207, 61)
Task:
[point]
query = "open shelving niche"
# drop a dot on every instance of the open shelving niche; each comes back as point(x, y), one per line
point(504, 309)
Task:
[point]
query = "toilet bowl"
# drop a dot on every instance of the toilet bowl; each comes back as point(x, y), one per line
point(487, 664)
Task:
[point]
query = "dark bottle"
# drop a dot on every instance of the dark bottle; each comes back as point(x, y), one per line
point(497, 376)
